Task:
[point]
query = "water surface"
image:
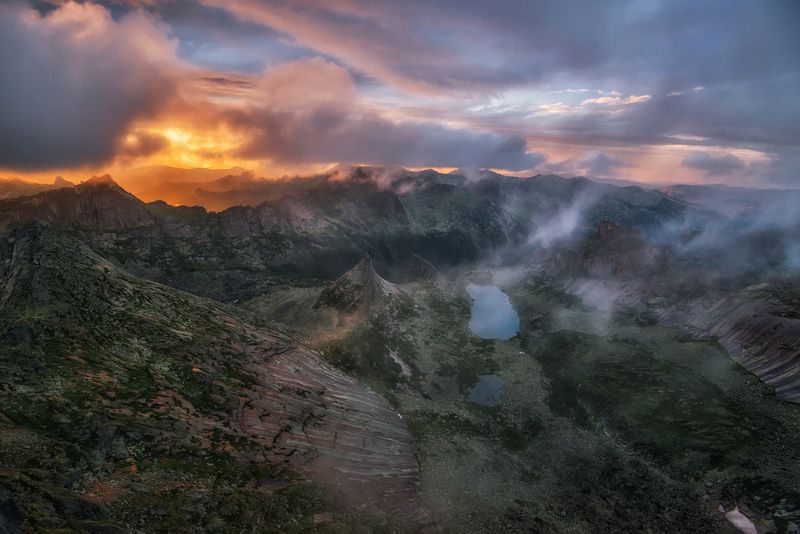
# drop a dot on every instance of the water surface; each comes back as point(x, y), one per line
point(487, 391)
point(493, 315)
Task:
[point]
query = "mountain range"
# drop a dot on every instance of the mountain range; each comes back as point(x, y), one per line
point(303, 361)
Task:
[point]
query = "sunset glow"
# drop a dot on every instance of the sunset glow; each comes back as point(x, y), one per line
point(274, 89)
point(199, 148)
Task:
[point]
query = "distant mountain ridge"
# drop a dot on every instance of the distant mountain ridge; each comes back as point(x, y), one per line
point(98, 202)
point(737, 201)
point(142, 178)
point(226, 192)
point(14, 187)
point(323, 227)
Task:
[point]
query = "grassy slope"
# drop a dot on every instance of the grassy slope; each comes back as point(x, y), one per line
point(605, 423)
point(116, 403)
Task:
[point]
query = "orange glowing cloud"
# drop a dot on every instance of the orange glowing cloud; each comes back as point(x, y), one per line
point(78, 80)
point(94, 92)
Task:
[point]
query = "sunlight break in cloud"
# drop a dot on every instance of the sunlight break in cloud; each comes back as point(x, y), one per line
point(78, 80)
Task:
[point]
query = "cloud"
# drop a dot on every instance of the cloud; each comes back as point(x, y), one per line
point(472, 45)
point(712, 165)
point(757, 114)
point(597, 163)
point(566, 220)
point(413, 82)
point(306, 84)
point(592, 163)
point(141, 144)
point(679, 67)
point(309, 111)
point(782, 168)
point(75, 80)
point(616, 100)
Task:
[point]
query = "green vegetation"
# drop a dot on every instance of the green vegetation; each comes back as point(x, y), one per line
point(125, 402)
point(605, 418)
point(118, 400)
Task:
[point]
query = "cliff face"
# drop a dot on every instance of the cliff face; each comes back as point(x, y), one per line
point(760, 329)
point(759, 325)
point(334, 431)
point(97, 203)
point(129, 371)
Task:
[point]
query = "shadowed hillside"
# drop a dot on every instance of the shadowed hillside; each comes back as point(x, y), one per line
point(122, 399)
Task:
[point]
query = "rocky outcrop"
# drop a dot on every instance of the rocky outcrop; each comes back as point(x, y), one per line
point(612, 252)
point(98, 203)
point(357, 290)
point(336, 432)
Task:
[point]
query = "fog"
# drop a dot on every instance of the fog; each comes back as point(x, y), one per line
point(566, 220)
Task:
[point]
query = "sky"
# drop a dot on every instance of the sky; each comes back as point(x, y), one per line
point(658, 91)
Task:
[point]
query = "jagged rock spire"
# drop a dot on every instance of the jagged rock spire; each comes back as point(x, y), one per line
point(357, 289)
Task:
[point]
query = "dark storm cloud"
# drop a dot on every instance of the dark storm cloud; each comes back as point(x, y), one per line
point(139, 144)
point(337, 135)
point(592, 163)
point(309, 111)
point(471, 43)
point(782, 169)
point(712, 165)
point(214, 38)
point(73, 83)
point(726, 71)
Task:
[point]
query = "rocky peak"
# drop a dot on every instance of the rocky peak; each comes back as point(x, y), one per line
point(61, 182)
point(356, 290)
point(98, 202)
point(104, 179)
point(421, 270)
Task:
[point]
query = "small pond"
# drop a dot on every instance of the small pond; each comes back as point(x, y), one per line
point(487, 391)
point(493, 315)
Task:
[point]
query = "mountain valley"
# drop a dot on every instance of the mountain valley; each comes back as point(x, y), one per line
point(307, 363)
